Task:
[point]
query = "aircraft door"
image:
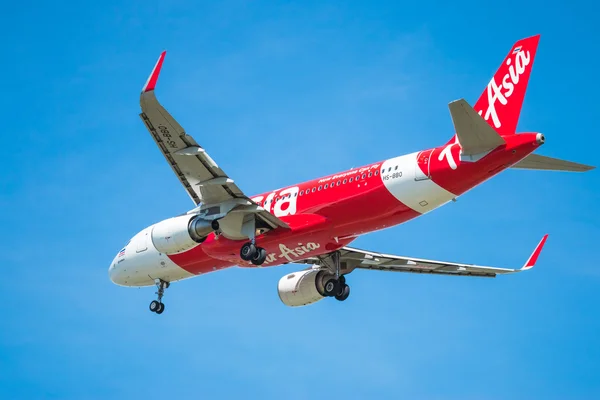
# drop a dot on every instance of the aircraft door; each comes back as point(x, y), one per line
point(423, 163)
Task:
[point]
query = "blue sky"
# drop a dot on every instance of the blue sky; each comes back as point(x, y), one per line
point(281, 92)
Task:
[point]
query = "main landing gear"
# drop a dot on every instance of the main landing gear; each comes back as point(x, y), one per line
point(157, 306)
point(256, 255)
point(336, 286)
point(249, 251)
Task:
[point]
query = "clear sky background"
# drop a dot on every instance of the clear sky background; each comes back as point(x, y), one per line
point(278, 93)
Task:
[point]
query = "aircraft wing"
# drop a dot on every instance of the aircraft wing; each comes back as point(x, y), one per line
point(201, 176)
point(351, 258)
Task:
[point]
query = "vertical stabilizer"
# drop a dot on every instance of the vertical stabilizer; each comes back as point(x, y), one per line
point(501, 101)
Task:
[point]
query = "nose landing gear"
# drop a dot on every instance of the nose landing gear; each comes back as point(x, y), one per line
point(157, 306)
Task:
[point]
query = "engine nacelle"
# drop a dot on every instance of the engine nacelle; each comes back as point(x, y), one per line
point(178, 234)
point(303, 287)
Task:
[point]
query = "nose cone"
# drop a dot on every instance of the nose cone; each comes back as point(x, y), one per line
point(116, 274)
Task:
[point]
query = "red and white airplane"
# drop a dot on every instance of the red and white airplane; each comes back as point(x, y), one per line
point(314, 222)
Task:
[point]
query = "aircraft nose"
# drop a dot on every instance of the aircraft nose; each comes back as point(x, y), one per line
point(116, 274)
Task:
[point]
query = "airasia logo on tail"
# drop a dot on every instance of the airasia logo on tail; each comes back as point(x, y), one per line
point(502, 91)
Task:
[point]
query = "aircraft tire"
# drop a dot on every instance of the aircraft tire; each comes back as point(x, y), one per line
point(331, 287)
point(259, 256)
point(247, 251)
point(344, 293)
point(154, 306)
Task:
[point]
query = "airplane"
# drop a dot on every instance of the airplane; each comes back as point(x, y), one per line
point(314, 222)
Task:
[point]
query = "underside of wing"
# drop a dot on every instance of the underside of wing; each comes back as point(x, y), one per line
point(356, 258)
point(206, 183)
point(352, 258)
point(202, 178)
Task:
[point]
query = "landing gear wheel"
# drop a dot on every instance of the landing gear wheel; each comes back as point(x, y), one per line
point(344, 293)
point(161, 308)
point(331, 287)
point(259, 256)
point(247, 252)
point(155, 306)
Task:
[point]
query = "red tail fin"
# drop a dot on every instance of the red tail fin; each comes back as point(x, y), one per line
point(500, 103)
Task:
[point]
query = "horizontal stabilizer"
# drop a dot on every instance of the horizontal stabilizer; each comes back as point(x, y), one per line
point(535, 161)
point(474, 134)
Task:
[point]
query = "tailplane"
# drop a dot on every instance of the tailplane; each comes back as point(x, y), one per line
point(535, 161)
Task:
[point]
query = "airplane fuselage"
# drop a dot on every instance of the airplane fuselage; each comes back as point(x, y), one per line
point(328, 213)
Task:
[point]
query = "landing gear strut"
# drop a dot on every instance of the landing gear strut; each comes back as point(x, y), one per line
point(157, 306)
point(336, 286)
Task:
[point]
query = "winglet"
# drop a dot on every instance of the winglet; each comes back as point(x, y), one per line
point(153, 78)
point(534, 256)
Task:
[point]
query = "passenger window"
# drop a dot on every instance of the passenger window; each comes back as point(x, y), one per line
point(351, 179)
point(389, 169)
point(313, 190)
point(376, 172)
point(395, 169)
point(370, 174)
point(345, 180)
point(326, 186)
point(301, 192)
point(320, 187)
point(339, 183)
point(364, 176)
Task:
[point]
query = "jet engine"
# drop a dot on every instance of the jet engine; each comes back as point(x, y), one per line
point(178, 234)
point(303, 287)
